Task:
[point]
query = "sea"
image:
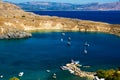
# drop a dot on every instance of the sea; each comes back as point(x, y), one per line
point(46, 51)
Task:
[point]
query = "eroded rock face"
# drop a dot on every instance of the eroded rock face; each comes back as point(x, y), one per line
point(16, 23)
point(15, 34)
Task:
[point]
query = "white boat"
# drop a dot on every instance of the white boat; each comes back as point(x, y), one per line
point(63, 34)
point(96, 78)
point(68, 43)
point(21, 74)
point(48, 71)
point(54, 76)
point(64, 68)
point(1, 76)
point(85, 51)
point(77, 62)
point(61, 39)
point(86, 44)
point(71, 71)
point(69, 38)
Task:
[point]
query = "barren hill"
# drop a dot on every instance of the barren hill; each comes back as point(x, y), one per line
point(16, 23)
point(45, 6)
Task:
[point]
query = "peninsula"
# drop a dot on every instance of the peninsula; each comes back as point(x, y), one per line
point(16, 23)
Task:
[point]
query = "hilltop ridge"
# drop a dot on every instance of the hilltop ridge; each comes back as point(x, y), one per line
point(54, 6)
point(16, 23)
point(8, 6)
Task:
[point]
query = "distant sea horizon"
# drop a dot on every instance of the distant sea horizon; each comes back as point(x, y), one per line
point(111, 17)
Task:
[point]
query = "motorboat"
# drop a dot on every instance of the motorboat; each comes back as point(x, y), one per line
point(21, 74)
point(68, 43)
point(54, 76)
point(69, 38)
point(61, 39)
point(48, 71)
point(86, 44)
point(63, 34)
point(85, 51)
point(64, 68)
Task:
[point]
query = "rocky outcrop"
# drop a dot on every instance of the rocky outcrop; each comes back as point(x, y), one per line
point(79, 72)
point(16, 23)
point(15, 35)
point(74, 68)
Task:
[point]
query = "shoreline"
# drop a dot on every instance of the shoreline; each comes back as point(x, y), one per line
point(74, 68)
point(14, 19)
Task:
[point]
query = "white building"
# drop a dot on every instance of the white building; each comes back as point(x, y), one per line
point(96, 78)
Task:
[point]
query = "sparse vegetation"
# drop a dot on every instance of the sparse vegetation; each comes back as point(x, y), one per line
point(23, 15)
point(12, 17)
point(109, 74)
point(14, 78)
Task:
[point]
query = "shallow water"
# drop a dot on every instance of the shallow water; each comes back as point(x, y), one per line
point(45, 51)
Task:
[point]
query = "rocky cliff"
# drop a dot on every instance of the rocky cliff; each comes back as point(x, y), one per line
point(15, 23)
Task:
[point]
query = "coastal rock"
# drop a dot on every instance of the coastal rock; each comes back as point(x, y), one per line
point(15, 35)
point(74, 69)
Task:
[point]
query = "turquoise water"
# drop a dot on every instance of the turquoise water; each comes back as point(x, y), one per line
point(45, 51)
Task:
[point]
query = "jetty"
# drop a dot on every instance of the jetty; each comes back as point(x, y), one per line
point(74, 69)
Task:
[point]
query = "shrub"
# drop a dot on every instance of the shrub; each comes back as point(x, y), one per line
point(109, 74)
point(14, 78)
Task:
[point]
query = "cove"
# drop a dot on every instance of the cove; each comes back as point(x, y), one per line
point(46, 51)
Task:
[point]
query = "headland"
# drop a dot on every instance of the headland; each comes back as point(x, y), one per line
point(16, 23)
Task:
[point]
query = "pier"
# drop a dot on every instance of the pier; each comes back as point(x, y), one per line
point(74, 69)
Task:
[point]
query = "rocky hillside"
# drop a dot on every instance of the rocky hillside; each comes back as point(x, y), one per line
point(115, 6)
point(15, 23)
point(38, 5)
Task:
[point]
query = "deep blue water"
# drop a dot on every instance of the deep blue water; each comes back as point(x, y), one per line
point(45, 51)
point(112, 17)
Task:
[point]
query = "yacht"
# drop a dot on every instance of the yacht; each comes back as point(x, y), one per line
point(68, 43)
point(69, 38)
point(85, 51)
point(86, 44)
point(63, 34)
point(48, 71)
point(64, 68)
point(1, 76)
point(21, 74)
point(61, 39)
point(54, 76)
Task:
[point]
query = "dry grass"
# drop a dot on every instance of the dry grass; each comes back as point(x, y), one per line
point(19, 19)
